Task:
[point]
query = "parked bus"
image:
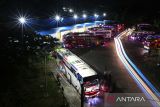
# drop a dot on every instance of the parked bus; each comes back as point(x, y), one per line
point(75, 40)
point(106, 34)
point(78, 72)
point(106, 31)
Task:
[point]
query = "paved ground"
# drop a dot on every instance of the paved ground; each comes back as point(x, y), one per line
point(69, 92)
point(105, 59)
point(102, 58)
point(146, 62)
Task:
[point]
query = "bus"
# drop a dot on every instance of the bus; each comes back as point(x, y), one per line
point(78, 72)
point(106, 34)
point(81, 40)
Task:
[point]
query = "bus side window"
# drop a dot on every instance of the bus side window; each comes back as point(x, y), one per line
point(59, 56)
point(73, 71)
point(79, 77)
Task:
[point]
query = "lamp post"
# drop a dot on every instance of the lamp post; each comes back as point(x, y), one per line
point(75, 17)
point(22, 21)
point(57, 18)
point(84, 16)
point(96, 16)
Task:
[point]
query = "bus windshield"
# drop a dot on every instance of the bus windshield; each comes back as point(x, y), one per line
point(91, 83)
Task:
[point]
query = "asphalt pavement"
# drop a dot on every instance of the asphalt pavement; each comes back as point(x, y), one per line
point(105, 59)
point(145, 61)
point(69, 92)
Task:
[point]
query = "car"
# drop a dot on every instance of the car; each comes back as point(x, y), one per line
point(152, 41)
point(138, 36)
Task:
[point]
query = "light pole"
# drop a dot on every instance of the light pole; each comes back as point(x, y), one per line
point(104, 15)
point(57, 18)
point(22, 21)
point(95, 16)
point(84, 16)
point(75, 17)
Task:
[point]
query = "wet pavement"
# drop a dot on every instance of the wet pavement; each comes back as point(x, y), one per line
point(145, 61)
point(106, 59)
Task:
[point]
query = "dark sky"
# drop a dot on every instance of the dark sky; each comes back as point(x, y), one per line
point(44, 8)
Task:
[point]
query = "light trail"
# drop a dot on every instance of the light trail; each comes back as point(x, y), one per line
point(131, 69)
point(138, 71)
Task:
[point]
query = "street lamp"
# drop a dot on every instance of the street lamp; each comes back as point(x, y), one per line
point(96, 16)
point(104, 14)
point(22, 21)
point(84, 16)
point(57, 18)
point(70, 10)
point(75, 17)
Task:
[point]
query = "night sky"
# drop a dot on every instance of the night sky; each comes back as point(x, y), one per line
point(44, 8)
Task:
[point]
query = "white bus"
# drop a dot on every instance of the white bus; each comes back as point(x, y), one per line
point(107, 34)
point(78, 72)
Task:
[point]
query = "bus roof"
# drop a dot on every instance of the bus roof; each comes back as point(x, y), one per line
point(76, 63)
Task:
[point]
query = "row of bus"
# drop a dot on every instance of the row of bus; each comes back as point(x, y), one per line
point(146, 34)
point(84, 78)
point(95, 36)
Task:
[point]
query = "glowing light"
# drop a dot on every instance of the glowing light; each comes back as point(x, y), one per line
point(133, 70)
point(84, 15)
point(70, 10)
point(104, 14)
point(75, 16)
point(22, 20)
point(57, 18)
point(64, 8)
point(94, 101)
point(96, 15)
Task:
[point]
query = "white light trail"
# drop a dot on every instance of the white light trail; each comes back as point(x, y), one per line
point(148, 90)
